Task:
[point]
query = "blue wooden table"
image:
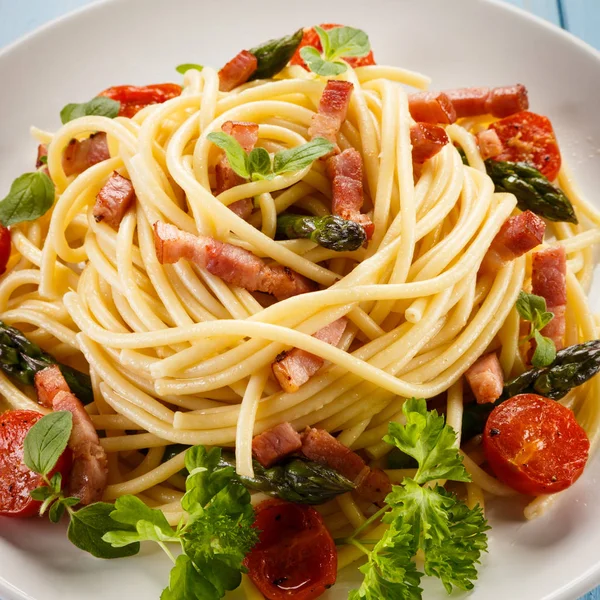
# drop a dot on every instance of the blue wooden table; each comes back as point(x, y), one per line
point(580, 17)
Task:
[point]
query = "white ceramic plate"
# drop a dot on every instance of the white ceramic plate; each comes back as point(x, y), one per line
point(458, 43)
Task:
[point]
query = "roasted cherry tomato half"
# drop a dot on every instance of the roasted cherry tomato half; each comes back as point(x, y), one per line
point(5, 243)
point(529, 138)
point(311, 38)
point(295, 557)
point(16, 480)
point(134, 98)
point(535, 445)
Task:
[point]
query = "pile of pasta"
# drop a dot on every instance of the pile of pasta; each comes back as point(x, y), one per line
point(178, 356)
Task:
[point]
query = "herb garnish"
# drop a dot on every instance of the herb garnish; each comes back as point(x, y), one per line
point(532, 308)
point(31, 195)
point(101, 106)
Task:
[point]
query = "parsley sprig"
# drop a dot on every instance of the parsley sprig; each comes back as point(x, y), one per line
point(214, 537)
point(532, 308)
point(427, 518)
point(258, 164)
point(337, 43)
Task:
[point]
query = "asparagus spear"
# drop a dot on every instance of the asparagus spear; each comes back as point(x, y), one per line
point(330, 231)
point(572, 366)
point(22, 359)
point(533, 191)
point(274, 55)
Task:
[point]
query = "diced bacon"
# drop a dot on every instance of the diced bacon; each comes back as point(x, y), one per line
point(81, 155)
point(498, 102)
point(113, 200)
point(41, 153)
point(431, 107)
point(48, 382)
point(518, 235)
point(320, 446)
point(427, 140)
point(274, 444)
point(89, 473)
point(247, 136)
point(490, 145)
point(345, 172)
point(237, 71)
point(486, 378)
point(295, 367)
point(549, 280)
point(231, 263)
point(333, 109)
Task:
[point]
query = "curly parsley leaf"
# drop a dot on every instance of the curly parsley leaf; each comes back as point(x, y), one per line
point(428, 439)
point(533, 308)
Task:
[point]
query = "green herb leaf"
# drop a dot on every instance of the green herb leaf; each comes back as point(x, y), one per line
point(345, 41)
point(42, 493)
point(46, 441)
point(187, 583)
point(57, 510)
point(274, 55)
point(545, 351)
point(528, 304)
point(317, 64)
point(43, 159)
point(295, 159)
point(187, 67)
point(31, 195)
point(428, 439)
point(101, 106)
point(259, 164)
point(89, 524)
point(237, 157)
point(56, 483)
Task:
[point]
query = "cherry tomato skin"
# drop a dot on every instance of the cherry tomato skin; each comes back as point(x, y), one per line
point(529, 137)
point(5, 246)
point(295, 558)
point(535, 445)
point(311, 38)
point(16, 480)
point(134, 98)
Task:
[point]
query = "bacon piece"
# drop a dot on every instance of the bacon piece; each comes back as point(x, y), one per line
point(486, 378)
point(41, 153)
point(333, 109)
point(237, 71)
point(427, 140)
point(295, 367)
point(247, 136)
point(89, 473)
point(431, 107)
point(231, 263)
point(81, 155)
point(518, 235)
point(498, 102)
point(490, 145)
point(318, 445)
point(113, 200)
point(345, 173)
point(274, 444)
point(549, 280)
point(48, 382)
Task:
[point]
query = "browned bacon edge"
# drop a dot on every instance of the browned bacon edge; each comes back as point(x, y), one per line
point(231, 263)
point(81, 155)
point(274, 444)
point(427, 140)
point(237, 71)
point(89, 473)
point(518, 235)
point(486, 378)
point(113, 200)
point(295, 367)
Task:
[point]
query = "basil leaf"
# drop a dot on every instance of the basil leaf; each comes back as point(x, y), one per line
point(545, 351)
point(298, 158)
point(188, 67)
point(237, 157)
point(101, 106)
point(46, 441)
point(129, 510)
point(90, 523)
point(542, 319)
point(274, 55)
point(187, 583)
point(347, 41)
point(528, 304)
point(259, 164)
point(31, 196)
point(43, 159)
point(325, 43)
point(316, 64)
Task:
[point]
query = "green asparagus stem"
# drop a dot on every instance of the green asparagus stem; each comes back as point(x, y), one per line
point(331, 232)
point(533, 191)
point(295, 480)
point(274, 55)
point(21, 359)
point(572, 366)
